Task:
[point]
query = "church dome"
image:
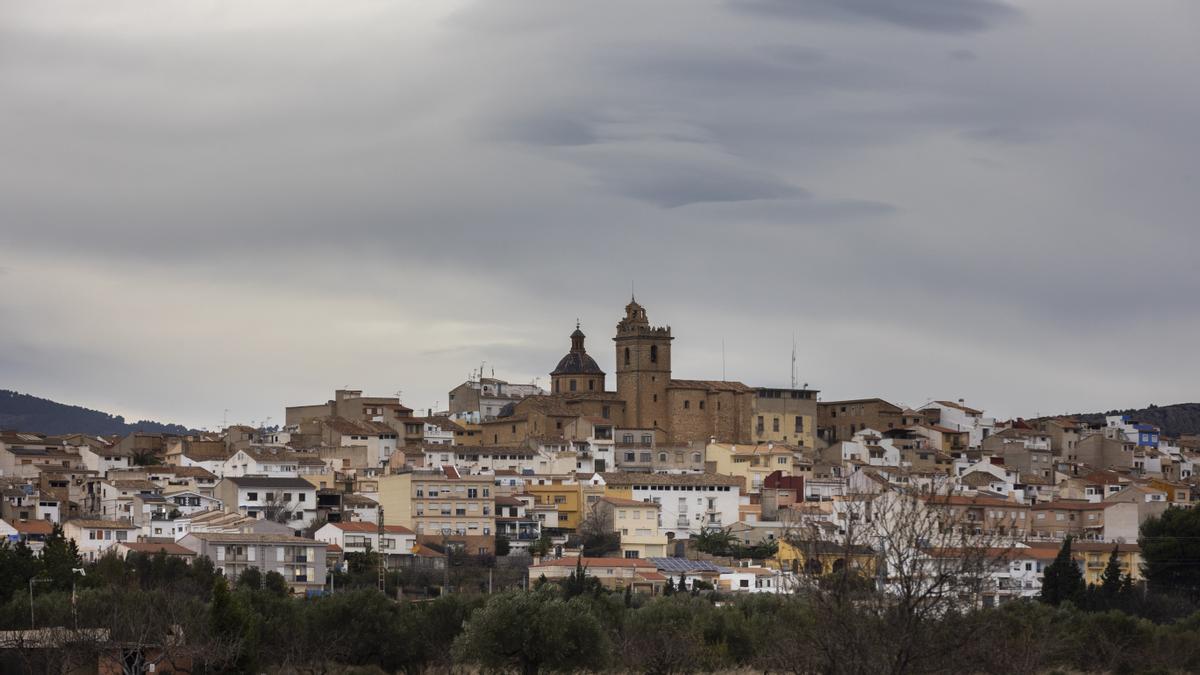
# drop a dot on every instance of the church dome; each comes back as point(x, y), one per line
point(577, 361)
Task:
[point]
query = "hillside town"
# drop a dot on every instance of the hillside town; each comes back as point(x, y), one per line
point(649, 482)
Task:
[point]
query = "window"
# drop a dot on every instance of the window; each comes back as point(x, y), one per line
point(627, 356)
point(662, 457)
point(654, 398)
point(572, 385)
point(799, 424)
point(775, 424)
point(591, 385)
point(251, 496)
point(560, 499)
point(604, 412)
point(631, 554)
point(647, 439)
point(702, 405)
point(645, 457)
point(653, 353)
point(630, 457)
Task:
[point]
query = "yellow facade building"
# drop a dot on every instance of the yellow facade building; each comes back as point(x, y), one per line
point(751, 463)
point(637, 524)
point(566, 498)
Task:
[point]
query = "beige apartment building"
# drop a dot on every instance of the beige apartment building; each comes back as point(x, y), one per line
point(352, 405)
point(840, 420)
point(637, 523)
point(1063, 517)
point(751, 463)
point(784, 416)
point(454, 509)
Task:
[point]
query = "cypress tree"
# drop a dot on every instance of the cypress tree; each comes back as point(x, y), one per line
point(1062, 580)
point(1110, 581)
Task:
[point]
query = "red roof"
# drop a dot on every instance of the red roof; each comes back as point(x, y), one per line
point(371, 527)
point(152, 547)
point(777, 481)
point(621, 501)
point(1070, 505)
point(960, 500)
point(597, 562)
point(28, 527)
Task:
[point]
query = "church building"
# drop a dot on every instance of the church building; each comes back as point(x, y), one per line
point(648, 400)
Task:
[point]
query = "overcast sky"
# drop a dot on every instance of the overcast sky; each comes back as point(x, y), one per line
point(244, 205)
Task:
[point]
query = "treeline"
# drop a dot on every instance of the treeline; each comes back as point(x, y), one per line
point(183, 618)
point(23, 412)
point(156, 610)
point(250, 629)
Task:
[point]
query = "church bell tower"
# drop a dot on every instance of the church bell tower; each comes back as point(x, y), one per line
point(643, 369)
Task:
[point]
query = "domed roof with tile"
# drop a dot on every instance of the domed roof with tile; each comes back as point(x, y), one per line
point(577, 361)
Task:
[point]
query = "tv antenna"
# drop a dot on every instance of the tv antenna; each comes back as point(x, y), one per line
point(793, 361)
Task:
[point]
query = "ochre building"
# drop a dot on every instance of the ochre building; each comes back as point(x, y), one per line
point(649, 400)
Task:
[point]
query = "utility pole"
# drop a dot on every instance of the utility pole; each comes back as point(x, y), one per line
point(382, 565)
point(446, 565)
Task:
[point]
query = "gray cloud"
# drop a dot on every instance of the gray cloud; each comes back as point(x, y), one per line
point(949, 16)
point(937, 198)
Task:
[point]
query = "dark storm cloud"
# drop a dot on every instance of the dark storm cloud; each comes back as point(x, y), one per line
point(672, 175)
point(1003, 134)
point(937, 197)
point(947, 16)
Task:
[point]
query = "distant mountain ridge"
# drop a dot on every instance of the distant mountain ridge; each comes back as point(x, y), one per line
point(1174, 420)
point(23, 412)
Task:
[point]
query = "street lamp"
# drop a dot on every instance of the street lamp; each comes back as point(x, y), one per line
point(74, 608)
point(32, 581)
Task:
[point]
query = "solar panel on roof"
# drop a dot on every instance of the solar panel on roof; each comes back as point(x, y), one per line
point(685, 565)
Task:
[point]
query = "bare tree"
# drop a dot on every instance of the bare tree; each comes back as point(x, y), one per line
point(885, 571)
point(277, 509)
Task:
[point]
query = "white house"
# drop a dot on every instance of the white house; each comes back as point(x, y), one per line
point(32, 532)
point(356, 537)
point(959, 417)
point(243, 463)
point(104, 459)
point(191, 501)
point(95, 537)
point(300, 561)
point(690, 502)
point(258, 496)
point(116, 496)
point(751, 580)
